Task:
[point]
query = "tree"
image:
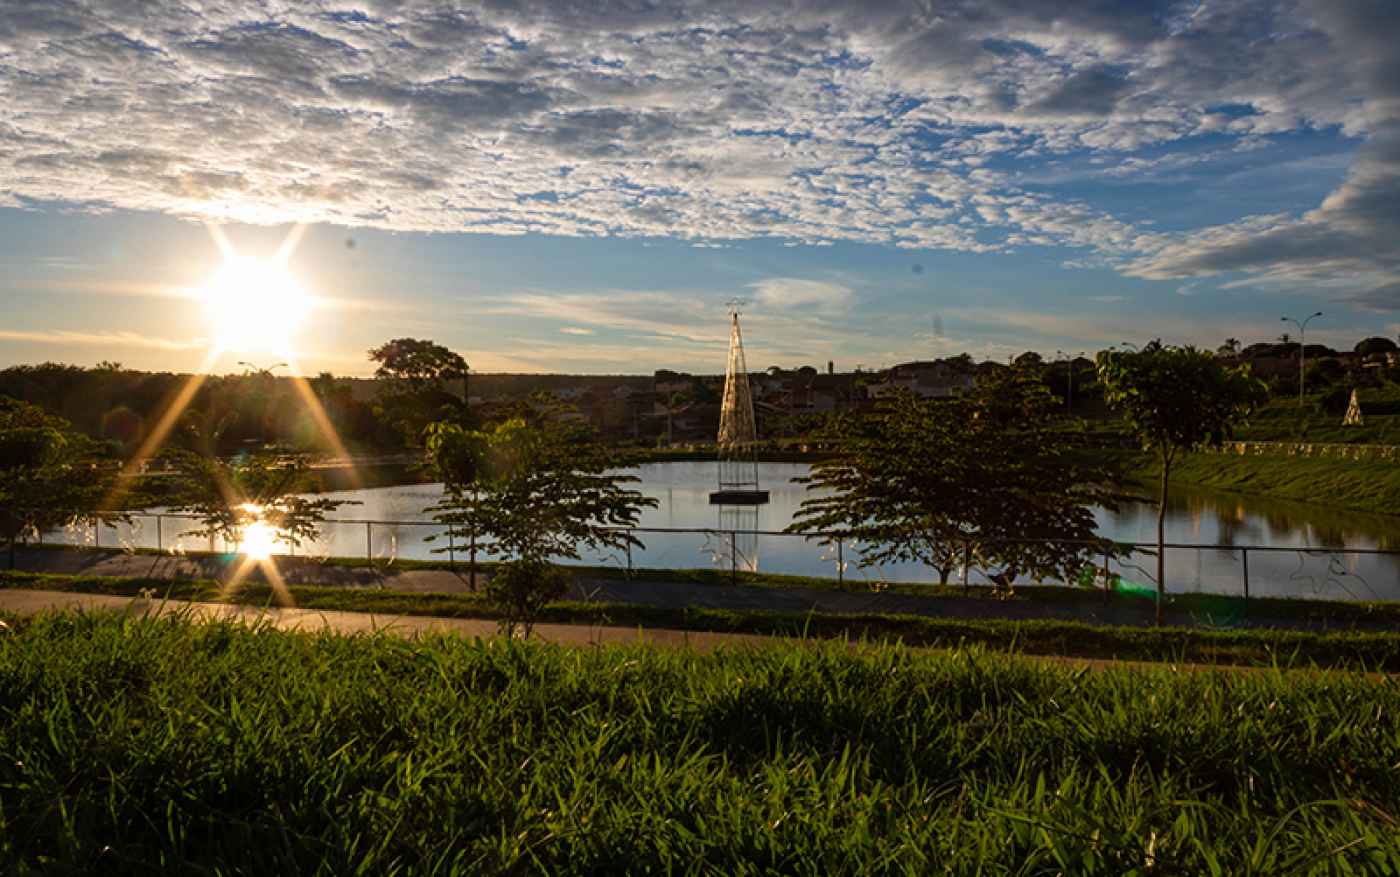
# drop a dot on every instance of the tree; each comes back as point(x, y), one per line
point(1176, 399)
point(49, 474)
point(1229, 348)
point(263, 490)
point(675, 404)
point(458, 457)
point(1372, 346)
point(530, 490)
point(983, 478)
point(1029, 359)
point(415, 377)
point(1325, 372)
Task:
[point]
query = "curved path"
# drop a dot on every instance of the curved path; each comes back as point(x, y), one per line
point(661, 593)
point(25, 602)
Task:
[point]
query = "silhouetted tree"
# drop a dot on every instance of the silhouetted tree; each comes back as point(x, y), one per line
point(988, 474)
point(49, 474)
point(1176, 399)
point(416, 378)
point(532, 490)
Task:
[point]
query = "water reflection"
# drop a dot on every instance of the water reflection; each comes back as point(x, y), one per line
point(738, 542)
point(682, 493)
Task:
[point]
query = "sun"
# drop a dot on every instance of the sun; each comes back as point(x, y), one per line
point(259, 538)
point(254, 305)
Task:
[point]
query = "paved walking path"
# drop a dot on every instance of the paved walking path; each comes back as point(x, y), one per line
point(25, 602)
point(665, 594)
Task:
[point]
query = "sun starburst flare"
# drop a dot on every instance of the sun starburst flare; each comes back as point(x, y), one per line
point(253, 306)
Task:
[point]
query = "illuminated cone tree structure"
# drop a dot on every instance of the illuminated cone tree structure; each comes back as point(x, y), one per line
point(1353, 415)
point(738, 436)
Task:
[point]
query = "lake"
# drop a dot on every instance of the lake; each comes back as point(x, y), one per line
point(1317, 563)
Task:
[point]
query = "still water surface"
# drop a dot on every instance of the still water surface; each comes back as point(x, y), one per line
point(682, 491)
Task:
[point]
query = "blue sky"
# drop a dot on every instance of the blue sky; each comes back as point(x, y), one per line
point(547, 187)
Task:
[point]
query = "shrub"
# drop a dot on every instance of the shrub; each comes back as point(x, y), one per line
point(520, 589)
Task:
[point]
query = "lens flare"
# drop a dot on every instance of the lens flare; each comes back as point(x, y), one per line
point(259, 539)
point(254, 305)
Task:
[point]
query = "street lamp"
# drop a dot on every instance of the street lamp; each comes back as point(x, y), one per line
point(1302, 348)
point(261, 371)
point(1069, 402)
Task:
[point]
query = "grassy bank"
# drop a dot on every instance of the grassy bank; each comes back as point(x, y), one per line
point(141, 746)
point(1350, 485)
point(1259, 647)
point(1218, 609)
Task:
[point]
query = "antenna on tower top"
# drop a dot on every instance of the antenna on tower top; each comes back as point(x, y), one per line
point(734, 306)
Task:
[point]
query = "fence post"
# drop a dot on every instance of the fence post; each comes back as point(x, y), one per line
point(629, 553)
point(96, 532)
point(369, 545)
point(733, 557)
point(967, 562)
point(1244, 555)
point(451, 549)
point(840, 561)
point(160, 544)
point(1107, 580)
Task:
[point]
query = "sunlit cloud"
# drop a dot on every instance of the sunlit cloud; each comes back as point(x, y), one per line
point(987, 129)
point(802, 121)
point(101, 339)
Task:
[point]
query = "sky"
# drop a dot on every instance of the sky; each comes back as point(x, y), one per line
point(581, 187)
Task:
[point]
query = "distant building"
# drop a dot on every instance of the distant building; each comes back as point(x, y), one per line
point(927, 380)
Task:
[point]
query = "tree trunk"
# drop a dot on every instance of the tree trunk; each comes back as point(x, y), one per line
point(471, 563)
point(1161, 536)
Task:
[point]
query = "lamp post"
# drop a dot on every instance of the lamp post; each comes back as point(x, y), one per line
point(1302, 348)
point(262, 371)
point(263, 374)
point(1069, 402)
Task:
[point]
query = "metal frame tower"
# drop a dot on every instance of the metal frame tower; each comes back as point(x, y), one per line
point(738, 434)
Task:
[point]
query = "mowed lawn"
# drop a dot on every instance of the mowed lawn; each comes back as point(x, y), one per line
point(138, 745)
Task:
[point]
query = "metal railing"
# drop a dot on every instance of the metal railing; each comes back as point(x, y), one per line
point(1221, 569)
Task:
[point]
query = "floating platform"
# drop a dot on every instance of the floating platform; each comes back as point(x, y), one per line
point(739, 497)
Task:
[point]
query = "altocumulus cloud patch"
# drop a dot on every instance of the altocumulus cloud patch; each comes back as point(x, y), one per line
point(806, 121)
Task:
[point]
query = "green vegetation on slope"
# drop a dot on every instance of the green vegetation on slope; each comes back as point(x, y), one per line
point(1319, 419)
point(134, 746)
point(1357, 649)
point(1344, 484)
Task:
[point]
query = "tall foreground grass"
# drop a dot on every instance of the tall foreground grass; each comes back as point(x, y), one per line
point(131, 745)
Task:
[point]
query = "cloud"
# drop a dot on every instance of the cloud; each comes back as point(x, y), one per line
point(660, 315)
point(802, 120)
point(576, 330)
point(1090, 92)
point(790, 294)
point(1385, 298)
point(103, 339)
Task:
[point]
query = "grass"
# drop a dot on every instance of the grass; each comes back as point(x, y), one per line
point(156, 745)
point(1353, 485)
point(1259, 647)
point(1282, 419)
point(1303, 610)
